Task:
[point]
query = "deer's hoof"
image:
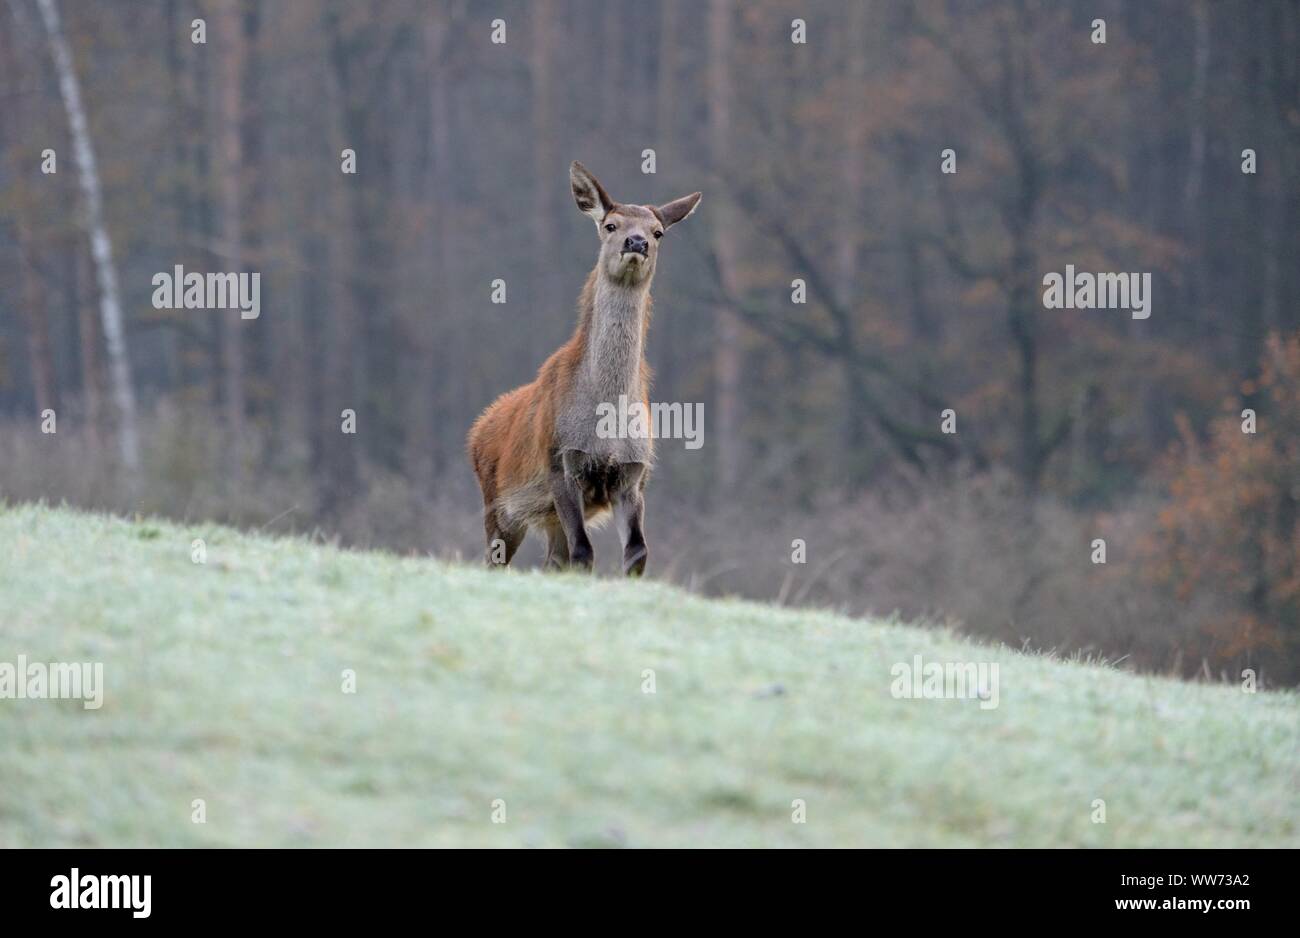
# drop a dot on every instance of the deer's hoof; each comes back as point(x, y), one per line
point(582, 557)
point(634, 559)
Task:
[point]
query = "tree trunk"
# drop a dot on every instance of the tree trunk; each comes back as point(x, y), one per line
point(231, 48)
point(852, 153)
point(1200, 82)
point(110, 306)
point(613, 68)
point(727, 335)
point(856, 454)
point(547, 171)
point(666, 102)
point(1194, 207)
point(1024, 334)
point(92, 379)
point(421, 394)
point(337, 453)
point(36, 314)
point(35, 311)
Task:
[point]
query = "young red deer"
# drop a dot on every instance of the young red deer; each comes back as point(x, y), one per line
point(537, 454)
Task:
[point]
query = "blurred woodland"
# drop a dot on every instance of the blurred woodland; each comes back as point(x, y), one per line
point(819, 161)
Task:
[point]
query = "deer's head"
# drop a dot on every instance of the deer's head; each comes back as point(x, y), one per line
point(629, 234)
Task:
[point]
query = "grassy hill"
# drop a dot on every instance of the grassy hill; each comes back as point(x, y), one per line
point(223, 682)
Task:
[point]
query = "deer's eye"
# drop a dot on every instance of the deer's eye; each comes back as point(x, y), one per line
point(658, 235)
point(609, 227)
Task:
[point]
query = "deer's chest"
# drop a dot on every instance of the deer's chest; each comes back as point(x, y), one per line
point(595, 421)
point(608, 382)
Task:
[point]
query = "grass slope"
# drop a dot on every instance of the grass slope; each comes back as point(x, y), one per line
point(223, 682)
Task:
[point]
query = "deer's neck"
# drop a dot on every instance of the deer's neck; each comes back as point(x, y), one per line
point(611, 334)
point(615, 339)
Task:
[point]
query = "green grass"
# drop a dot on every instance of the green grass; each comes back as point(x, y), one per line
point(223, 682)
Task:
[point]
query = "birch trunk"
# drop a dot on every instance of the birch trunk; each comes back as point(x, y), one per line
point(101, 246)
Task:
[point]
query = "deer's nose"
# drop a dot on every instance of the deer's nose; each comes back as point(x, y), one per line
point(636, 243)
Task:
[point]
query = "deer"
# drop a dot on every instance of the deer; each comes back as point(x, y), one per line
point(541, 461)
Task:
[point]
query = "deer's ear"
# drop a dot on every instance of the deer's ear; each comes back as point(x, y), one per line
point(674, 211)
point(590, 195)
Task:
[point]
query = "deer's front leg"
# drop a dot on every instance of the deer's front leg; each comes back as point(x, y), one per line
point(629, 515)
point(566, 489)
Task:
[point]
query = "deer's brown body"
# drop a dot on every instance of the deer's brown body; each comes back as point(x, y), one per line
point(539, 460)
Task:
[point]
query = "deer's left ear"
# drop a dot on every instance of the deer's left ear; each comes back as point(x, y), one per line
point(674, 211)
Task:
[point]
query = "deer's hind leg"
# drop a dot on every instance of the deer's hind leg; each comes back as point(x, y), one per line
point(557, 546)
point(503, 538)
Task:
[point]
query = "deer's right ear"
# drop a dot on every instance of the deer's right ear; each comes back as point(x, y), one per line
point(590, 195)
point(676, 210)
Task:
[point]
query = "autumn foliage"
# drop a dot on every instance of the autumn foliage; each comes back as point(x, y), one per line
point(1226, 543)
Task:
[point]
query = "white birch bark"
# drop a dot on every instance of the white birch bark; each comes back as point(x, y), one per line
point(101, 246)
